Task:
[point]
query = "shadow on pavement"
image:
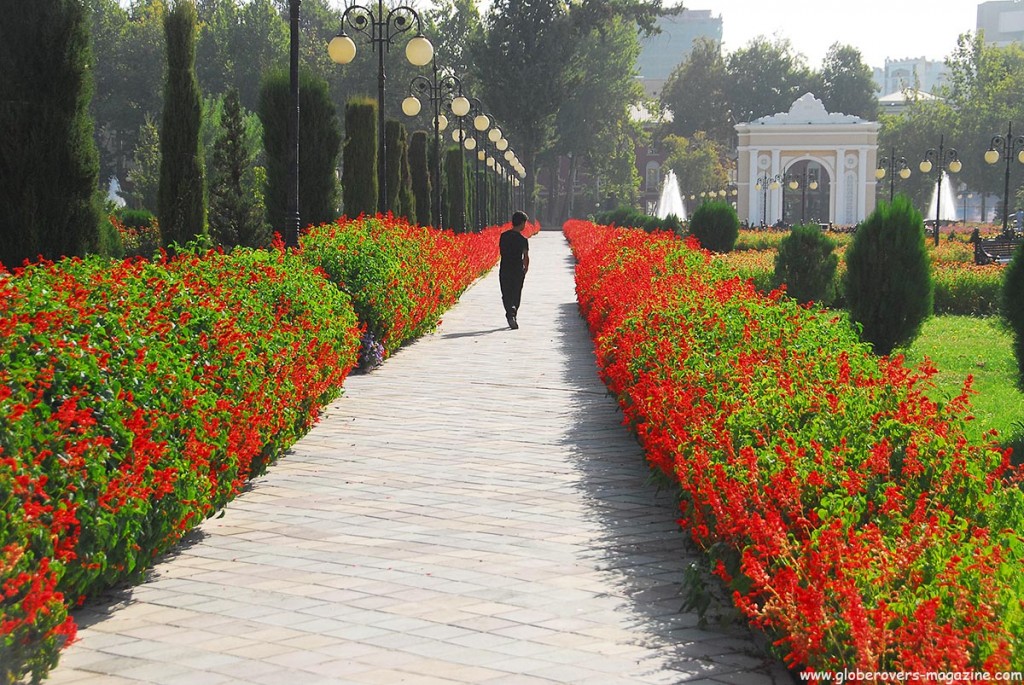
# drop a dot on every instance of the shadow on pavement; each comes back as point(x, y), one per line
point(642, 547)
point(473, 334)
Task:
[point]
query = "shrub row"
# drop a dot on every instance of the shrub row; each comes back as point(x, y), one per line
point(960, 288)
point(848, 513)
point(137, 397)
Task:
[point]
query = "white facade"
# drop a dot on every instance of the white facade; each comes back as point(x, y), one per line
point(842, 148)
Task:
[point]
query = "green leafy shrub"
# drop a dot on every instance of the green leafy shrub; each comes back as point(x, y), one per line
point(1013, 308)
point(359, 170)
point(625, 216)
point(888, 284)
point(716, 226)
point(136, 398)
point(806, 263)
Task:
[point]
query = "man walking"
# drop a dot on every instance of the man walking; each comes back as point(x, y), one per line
point(515, 262)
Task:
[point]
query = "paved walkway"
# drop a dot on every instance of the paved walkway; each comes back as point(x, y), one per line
point(471, 512)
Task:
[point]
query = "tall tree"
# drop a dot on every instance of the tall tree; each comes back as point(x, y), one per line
point(589, 126)
point(847, 85)
point(319, 146)
point(128, 67)
point(421, 178)
point(144, 174)
point(765, 77)
point(181, 204)
point(359, 182)
point(236, 214)
point(527, 72)
point(49, 166)
point(695, 93)
point(453, 26)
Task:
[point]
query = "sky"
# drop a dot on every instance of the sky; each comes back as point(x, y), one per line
point(878, 28)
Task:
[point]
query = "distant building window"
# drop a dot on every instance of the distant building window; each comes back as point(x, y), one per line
point(653, 172)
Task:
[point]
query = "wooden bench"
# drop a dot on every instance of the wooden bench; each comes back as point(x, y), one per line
point(995, 250)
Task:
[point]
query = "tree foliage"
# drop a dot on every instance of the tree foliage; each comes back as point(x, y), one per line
point(421, 175)
point(698, 162)
point(888, 276)
point(181, 204)
point(846, 83)
point(695, 93)
point(236, 211)
point(144, 174)
point(765, 77)
point(49, 166)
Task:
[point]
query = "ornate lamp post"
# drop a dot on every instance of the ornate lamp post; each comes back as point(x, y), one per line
point(437, 89)
point(892, 166)
point(1009, 145)
point(292, 220)
point(381, 28)
point(941, 157)
point(763, 183)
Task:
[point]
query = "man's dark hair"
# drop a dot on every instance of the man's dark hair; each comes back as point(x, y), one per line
point(519, 218)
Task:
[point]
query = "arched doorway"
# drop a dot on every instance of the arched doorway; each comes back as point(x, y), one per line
point(806, 193)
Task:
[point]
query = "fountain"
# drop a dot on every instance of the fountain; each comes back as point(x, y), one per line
point(670, 202)
point(947, 205)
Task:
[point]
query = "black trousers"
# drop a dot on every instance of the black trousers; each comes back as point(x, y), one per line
point(511, 290)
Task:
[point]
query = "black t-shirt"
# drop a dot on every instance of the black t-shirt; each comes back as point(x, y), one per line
point(513, 246)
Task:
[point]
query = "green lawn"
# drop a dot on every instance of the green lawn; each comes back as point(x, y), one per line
point(962, 345)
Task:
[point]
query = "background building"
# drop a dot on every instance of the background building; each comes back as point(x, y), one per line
point(660, 54)
point(1002, 21)
point(912, 73)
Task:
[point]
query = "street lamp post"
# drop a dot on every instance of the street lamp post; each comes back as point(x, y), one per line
point(381, 28)
point(800, 181)
point(763, 184)
point(892, 166)
point(940, 157)
point(1009, 145)
point(437, 89)
point(292, 220)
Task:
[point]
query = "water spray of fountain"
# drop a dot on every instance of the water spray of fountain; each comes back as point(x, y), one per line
point(671, 201)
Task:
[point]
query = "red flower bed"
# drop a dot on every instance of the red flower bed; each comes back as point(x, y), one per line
point(848, 513)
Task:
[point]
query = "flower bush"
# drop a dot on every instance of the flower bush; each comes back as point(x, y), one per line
point(401, 277)
point(848, 513)
point(960, 286)
point(137, 397)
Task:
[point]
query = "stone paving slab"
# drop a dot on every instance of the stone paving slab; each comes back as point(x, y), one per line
point(471, 512)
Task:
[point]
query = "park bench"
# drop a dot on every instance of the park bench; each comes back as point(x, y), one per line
point(995, 250)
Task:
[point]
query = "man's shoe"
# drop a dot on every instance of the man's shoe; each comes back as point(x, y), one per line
point(512, 323)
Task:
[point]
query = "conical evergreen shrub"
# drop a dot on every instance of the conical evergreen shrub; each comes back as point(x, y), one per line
point(888, 276)
point(455, 187)
point(49, 165)
point(359, 170)
point(421, 186)
point(319, 148)
point(181, 204)
point(236, 217)
point(806, 263)
point(716, 226)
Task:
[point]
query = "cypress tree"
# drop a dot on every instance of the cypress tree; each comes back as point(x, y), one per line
point(236, 218)
point(359, 170)
point(888, 275)
point(180, 199)
point(420, 177)
point(455, 173)
point(319, 146)
point(1013, 309)
point(393, 146)
point(49, 165)
point(406, 198)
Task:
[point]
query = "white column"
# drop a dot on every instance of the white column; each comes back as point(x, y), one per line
point(775, 207)
point(753, 213)
point(862, 184)
point(839, 188)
